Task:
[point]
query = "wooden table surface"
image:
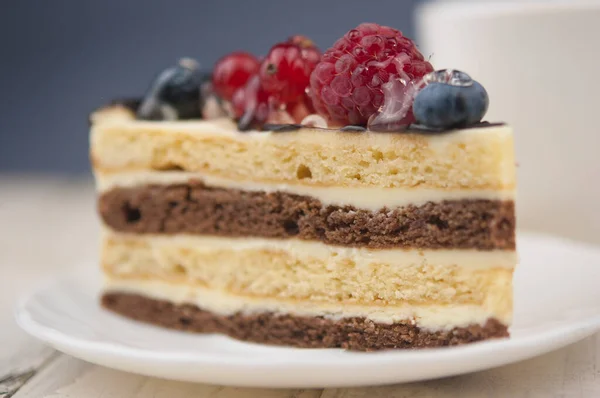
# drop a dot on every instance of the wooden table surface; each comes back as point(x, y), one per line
point(48, 226)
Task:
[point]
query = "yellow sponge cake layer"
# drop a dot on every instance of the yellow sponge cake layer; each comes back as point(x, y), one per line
point(475, 158)
point(319, 273)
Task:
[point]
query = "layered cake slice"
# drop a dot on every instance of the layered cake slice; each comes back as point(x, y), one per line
point(301, 214)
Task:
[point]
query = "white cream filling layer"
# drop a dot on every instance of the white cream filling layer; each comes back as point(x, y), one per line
point(362, 257)
point(431, 317)
point(360, 197)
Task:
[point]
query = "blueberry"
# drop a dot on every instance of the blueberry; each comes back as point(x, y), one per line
point(174, 94)
point(450, 99)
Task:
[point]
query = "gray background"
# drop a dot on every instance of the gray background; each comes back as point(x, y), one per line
point(61, 59)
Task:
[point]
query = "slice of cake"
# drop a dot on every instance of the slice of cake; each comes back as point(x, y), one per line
point(396, 231)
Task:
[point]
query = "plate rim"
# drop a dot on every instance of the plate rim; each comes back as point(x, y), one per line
point(51, 336)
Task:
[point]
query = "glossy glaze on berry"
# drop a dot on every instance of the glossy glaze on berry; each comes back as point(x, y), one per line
point(347, 85)
point(174, 94)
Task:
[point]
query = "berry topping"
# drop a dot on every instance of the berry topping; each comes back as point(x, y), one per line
point(232, 72)
point(252, 105)
point(285, 71)
point(450, 99)
point(348, 84)
point(174, 94)
point(396, 112)
point(277, 92)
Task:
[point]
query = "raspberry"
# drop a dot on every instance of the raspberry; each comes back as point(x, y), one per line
point(232, 72)
point(285, 71)
point(347, 86)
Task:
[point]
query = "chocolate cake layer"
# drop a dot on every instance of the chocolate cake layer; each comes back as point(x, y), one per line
point(299, 331)
point(198, 209)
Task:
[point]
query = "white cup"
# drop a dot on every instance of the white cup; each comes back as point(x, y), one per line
point(540, 63)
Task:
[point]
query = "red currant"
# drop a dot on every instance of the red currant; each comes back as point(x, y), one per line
point(285, 72)
point(232, 72)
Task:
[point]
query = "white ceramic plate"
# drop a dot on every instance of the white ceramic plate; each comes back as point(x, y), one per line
point(557, 302)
